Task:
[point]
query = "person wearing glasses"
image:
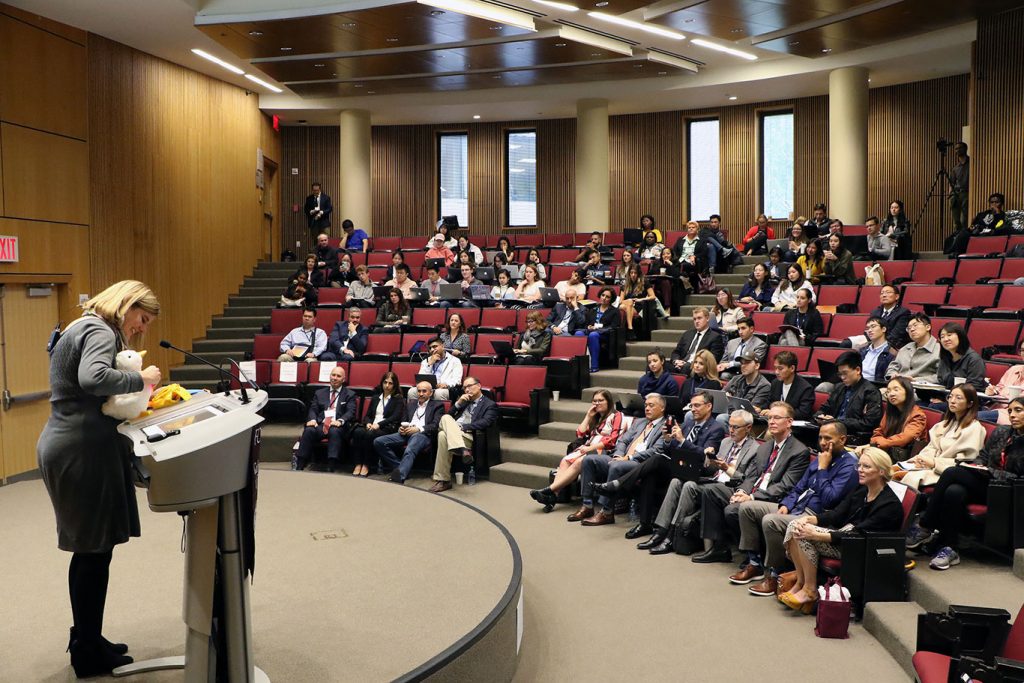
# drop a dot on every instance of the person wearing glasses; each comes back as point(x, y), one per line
point(471, 413)
point(854, 401)
point(993, 220)
point(918, 361)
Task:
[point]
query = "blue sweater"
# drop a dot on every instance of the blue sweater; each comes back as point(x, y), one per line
point(664, 385)
point(819, 491)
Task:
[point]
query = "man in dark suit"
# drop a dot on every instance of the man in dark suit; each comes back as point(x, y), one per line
point(318, 210)
point(781, 461)
point(413, 437)
point(894, 316)
point(567, 317)
point(471, 413)
point(331, 409)
point(790, 387)
point(855, 401)
point(700, 337)
point(348, 338)
point(699, 433)
point(326, 255)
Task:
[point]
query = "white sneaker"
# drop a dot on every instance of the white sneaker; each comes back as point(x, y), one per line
point(944, 559)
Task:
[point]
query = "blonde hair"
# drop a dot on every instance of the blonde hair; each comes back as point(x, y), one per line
point(880, 459)
point(710, 364)
point(114, 302)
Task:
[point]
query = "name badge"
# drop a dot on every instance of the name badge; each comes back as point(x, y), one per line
point(598, 326)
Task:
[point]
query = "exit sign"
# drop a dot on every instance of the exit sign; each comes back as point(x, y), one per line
point(8, 249)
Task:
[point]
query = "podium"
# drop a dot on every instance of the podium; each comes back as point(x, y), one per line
point(200, 469)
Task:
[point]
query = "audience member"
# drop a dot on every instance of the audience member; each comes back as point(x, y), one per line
point(959, 181)
point(455, 336)
point(433, 285)
point(574, 283)
point(918, 361)
point(535, 342)
point(533, 258)
point(305, 342)
point(675, 527)
point(838, 262)
point(383, 416)
point(296, 293)
point(464, 245)
point(789, 387)
point(394, 312)
point(746, 342)
point(344, 273)
point(797, 242)
point(785, 294)
point(835, 227)
point(691, 253)
point(828, 479)
point(956, 439)
point(597, 432)
point(413, 436)
point(657, 379)
point(348, 338)
point(776, 268)
point(397, 258)
point(634, 291)
point(360, 290)
point(449, 240)
point(1007, 387)
point(314, 275)
point(871, 507)
point(597, 272)
point(993, 220)
point(446, 369)
point(467, 280)
point(528, 291)
point(402, 282)
point(642, 440)
point(876, 355)
point(854, 401)
point(601, 320)
point(703, 376)
point(503, 291)
point(356, 239)
point(894, 316)
point(472, 412)
point(726, 251)
point(897, 228)
point(879, 246)
point(749, 384)
point(567, 317)
point(757, 291)
point(804, 319)
point(725, 314)
point(628, 262)
point(326, 255)
point(438, 250)
point(700, 337)
point(903, 421)
point(817, 226)
point(813, 261)
point(756, 239)
point(318, 209)
point(937, 532)
point(648, 224)
point(331, 409)
point(651, 249)
point(595, 243)
point(663, 274)
point(506, 249)
point(958, 359)
point(779, 464)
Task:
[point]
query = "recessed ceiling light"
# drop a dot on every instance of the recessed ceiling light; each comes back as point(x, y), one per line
point(687, 21)
point(736, 30)
point(319, 65)
point(286, 49)
point(255, 34)
point(476, 116)
point(391, 40)
point(732, 98)
point(662, 73)
point(638, 66)
point(487, 11)
point(350, 24)
point(262, 82)
point(601, 4)
point(629, 23)
point(722, 48)
point(496, 76)
point(358, 85)
point(795, 42)
point(497, 28)
point(371, 92)
point(559, 44)
point(217, 60)
point(436, 12)
point(595, 54)
point(826, 50)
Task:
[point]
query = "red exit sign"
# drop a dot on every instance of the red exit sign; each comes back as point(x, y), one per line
point(8, 249)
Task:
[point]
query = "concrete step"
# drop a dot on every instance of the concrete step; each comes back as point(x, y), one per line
point(700, 300)
point(894, 626)
point(269, 279)
point(563, 432)
point(633, 363)
point(233, 332)
point(262, 300)
point(1018, 563)
point(615, 380)
point(681, 322)
point(235, 346)
point(667, 337)
point(217, 357)
point(567, 410)
point(261, 290)
point(977, 580)
point(621, 395)
point(195, 373)
point(520, 475)
point(532, 451)
point(641, 349)
point(277, 266)
point(734, 279)
point(248, 312)
point(240, 321)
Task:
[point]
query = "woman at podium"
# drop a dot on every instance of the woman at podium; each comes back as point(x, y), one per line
point(86, 464)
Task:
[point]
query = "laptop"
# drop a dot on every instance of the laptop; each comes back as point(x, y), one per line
point(381, 292)
point(437, 263)
point(856, 244)
point(479, 292)
point(720, 401)
point(686, 464)
point(419, 347)
point(502, 348)
point(449, 291)
point(420, 294)
point(549, 295)
point(781, 244)
point(485, 274)
point(632, 235)
point(429, 379)
point(738, 403)
point(827, 371)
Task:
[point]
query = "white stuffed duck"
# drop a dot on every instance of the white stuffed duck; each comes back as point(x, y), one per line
point(127, 406)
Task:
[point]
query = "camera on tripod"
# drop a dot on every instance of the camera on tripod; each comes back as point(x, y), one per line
point(942, 145)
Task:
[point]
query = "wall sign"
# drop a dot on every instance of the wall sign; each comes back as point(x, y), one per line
point(8, 249)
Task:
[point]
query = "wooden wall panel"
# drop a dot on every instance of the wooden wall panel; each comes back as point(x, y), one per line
point(47, 175)
point(646, 165)
point(998, 128)
point(52, 248)
point(556, 175)
point(904, 122)
point(314, 151)
point(43, 82)
point(175, 202)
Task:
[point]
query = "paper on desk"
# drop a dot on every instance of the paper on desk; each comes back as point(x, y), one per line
point(289, 372)
point(326, 366)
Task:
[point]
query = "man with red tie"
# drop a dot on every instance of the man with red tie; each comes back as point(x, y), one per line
point(331, 409)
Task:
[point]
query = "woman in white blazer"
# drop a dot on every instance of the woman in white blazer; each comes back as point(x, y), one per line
point(957, 438)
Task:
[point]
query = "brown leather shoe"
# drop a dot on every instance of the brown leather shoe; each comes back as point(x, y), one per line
point(766, 588)
point(583, 513)
point(600, 519)
point(440, 486)
point(786, 583)
point(746, 575)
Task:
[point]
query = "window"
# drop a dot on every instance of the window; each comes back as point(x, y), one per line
point(777, 164)
point(453, 176)
point(520, 177)
point(703, 168)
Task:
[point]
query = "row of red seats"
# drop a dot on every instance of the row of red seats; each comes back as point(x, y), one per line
point(999, 300)
point(961, 271)
point(993, 245)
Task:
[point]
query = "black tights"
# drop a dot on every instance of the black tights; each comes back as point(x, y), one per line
point(88, 576)
point(947, 504)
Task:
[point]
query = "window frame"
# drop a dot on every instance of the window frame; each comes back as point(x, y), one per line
point(508, 179)
point(689, 165)
point(763, 114)
point(437, 170)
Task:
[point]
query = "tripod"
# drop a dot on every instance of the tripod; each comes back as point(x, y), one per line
point(941, 182)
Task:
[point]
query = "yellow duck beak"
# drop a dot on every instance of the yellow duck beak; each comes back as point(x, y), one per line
point(142, 353)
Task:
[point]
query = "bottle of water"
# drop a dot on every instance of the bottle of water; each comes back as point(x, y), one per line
point(295, 456)
point(633, 516)
point(471, 476)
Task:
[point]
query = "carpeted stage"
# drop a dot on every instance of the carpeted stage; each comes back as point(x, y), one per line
point(355, 581)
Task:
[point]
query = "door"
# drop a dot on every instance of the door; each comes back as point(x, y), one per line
point(28, 314)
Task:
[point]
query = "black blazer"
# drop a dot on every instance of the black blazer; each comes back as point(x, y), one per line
point(895, 326)
point(325, 206)
point(609, 319)
point(346, 403)
point(690, 387)
point(712, 340)
point(801, 397)
point(811, 323)
point(486, 413)
point(339, 333)
point(394, 413)
point(577, 321)
point(884, 513)
point(864, 412)
point(435, 409)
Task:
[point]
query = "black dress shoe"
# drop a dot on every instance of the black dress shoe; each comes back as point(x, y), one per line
point(658, 537)
point(116, 648)
point(544, 498)
point(716, 554)
point(641, 529)
point(609, 488)
point(663, 548)
point(94, 659)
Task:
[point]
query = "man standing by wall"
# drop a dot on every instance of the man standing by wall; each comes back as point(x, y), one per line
point(318, 210)
point(959, 181)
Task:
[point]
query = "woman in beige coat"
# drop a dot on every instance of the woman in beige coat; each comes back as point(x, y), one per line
point(957, 438)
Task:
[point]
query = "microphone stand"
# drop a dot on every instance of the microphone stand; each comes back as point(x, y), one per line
point(224, 373)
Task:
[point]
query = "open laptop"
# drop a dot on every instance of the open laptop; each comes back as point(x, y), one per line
point(419, 294)
point(549, 295)
point(720, 401)
point(632, 236)
point(437, 263)
point(485, 274)
point(449, 292)
point(381, 292)
point(738, 403)
point(686, 464)
point(429, 379)
point(827, 371)
point(781, 244)
point(479, 292)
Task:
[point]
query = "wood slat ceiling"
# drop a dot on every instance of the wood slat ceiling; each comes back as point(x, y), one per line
point(511, 55)
point(738, 19)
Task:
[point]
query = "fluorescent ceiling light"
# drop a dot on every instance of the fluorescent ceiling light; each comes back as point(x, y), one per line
point(722, 48)
point(558, 5)
point(595, 40)
point(671, 60)
point(217, 60)
point(484, 10)
point(266, 85)
point(612, 19)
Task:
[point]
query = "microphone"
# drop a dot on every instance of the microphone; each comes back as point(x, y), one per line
point(245, 397)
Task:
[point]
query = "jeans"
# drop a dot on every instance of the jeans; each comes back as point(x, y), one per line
point(388, 445)
point(594, 345)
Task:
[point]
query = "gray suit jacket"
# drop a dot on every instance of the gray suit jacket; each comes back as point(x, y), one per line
point(792, 462)
point(756, 345)
point(655, 442)
point(744, 459)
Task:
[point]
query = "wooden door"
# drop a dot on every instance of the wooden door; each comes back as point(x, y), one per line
point(26, 319)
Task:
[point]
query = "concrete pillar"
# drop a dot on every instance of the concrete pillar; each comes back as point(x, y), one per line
point(354, 198)
point(848, 144)
point(592, 174)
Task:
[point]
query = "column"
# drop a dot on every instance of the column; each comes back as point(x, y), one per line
point(848, 144)
point(592, 203)
point(354, 198)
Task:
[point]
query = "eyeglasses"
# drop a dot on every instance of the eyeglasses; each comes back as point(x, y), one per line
point(733, 428)
point(471, 384)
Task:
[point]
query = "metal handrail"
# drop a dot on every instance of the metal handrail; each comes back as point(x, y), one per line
point(10, 399)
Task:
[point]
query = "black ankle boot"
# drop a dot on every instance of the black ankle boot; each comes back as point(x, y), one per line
point(116, 648)
point(94, 659)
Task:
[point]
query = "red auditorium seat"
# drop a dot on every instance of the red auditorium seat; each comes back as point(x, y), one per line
point(378, 258)
point(562, 255)
point(564, 239)
point(970, 270)
point(844, 325)
point(1003, 334)
point(482, 348)
point(932, 667)
point(526, 398)
point(471, 316)
point(995, 371)
point(365, 377)
point(314, 381)
point(284, 320)
point(491, 378)
point(916, 297)
point(266, 346)
point(530, 240)
point(326, 318)
point(385, 243)
point(413, 243)
point(288, 389)
point(497, 319)
point(410, 338)
point(929, 272)
point(406, 374)
point(331, 297)
point(964, 298)
point(823, 353)
point(1013, 268)
point(592, 291)
point(559, 273)
point(369, 316)
point(867, 300)
point(428, 318)
point(894, 270)
point(415, 259)
point(1009, 304)
point(820, 397)
point(835, 295)
point(767, 322)
point(986, 245)
point(380, 347)
point(261, 377)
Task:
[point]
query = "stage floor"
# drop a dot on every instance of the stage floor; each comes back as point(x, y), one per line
point(355, 580)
